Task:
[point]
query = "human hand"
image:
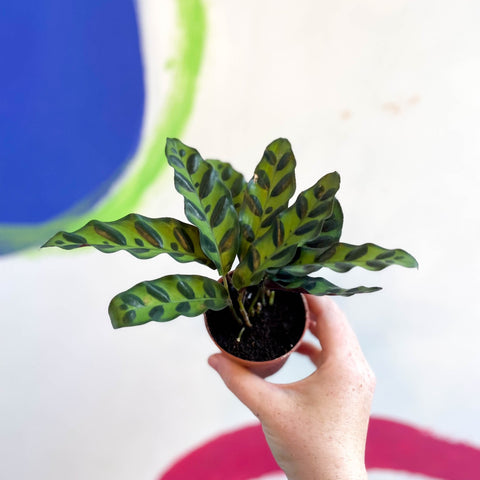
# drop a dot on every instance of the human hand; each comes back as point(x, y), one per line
point(316, 428)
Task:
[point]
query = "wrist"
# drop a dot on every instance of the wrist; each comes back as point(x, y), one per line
point(341, 469)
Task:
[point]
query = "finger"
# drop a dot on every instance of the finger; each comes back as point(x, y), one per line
point(311, 351)
point(251, 390)
point(329, 324)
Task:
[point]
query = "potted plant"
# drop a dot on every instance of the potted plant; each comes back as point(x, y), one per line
point(255, 312)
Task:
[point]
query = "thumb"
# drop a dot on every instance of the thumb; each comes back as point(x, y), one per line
point(251, 390)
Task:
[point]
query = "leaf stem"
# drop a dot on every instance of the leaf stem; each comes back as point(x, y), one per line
point(240, 334)
point(271, 297)
point(251, 310)
point(227, 286)
point(244, 312)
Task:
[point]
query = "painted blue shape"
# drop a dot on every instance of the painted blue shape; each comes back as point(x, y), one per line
point(71, 103)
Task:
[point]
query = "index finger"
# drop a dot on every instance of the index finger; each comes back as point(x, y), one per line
point(329, 324)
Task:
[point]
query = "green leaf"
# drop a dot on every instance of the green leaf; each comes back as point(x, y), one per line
point(305, 259)
point(208, 203)
point(138, 235)
point(342, 257)
point(268, 193)
point(233, 180)
point(320, 286)
point(165, 299)
point(304, 262)
point(331, 229)
point(299, 224)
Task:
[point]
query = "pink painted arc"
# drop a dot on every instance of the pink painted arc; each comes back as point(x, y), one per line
point(244, 454)
point(397, 446)
point(238, 455)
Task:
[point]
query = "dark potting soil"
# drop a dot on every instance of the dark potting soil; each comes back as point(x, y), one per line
point(273, 333)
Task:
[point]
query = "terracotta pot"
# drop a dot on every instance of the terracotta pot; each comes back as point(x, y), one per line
point(268, 367)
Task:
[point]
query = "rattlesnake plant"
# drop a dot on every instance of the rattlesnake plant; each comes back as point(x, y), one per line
point(278, 244)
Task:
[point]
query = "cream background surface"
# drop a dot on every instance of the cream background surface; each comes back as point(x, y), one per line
point(386, 93)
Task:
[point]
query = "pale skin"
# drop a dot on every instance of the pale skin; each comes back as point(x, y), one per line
point(316, 428)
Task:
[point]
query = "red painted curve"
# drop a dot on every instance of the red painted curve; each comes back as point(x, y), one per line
point(244, 454)
point(397, 446)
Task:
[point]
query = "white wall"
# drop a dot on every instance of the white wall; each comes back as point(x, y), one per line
point(384, 92)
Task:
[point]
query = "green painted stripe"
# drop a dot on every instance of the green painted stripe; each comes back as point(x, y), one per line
point(191, 32)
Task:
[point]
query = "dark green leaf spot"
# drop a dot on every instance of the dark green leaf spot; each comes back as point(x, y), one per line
point(286, 182)
point(237, 186)
point(356, 253)
point(342, 267)
point(301, 206)
point(209, 289)
point(174, 246)
point(328, 194)
point(320, 210)
point(207, 244)
point(219, 212)
point(287, 158)
point(129, 317)
point(228, 240)
point(247, 233)
point(226, 173)
point(207, 182)
point(269, 220)
point(74, 238)
point(138, 251)
point(376, 264)
point(191, 210)
point(157, 292)
point(278, 232)
point(106, 248)
point(253, 259)
point(320, 242)
point(148, 233)
point(210, 303)
point(185, 289)
point(306, 228)
point(174, 161)
point(156, 313)
point(184, 239)
point(253, 203)
point(385, 255)
point(193, 162)
point(182, 183)
point(285, 253)
point(269, 156)
point(183, 307)
point(132, 300)
point(262, 179)
point(139, 242)
point(329, 224)
point(318, 191)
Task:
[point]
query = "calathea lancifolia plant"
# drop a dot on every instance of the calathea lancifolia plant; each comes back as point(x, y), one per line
point(278, 243)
